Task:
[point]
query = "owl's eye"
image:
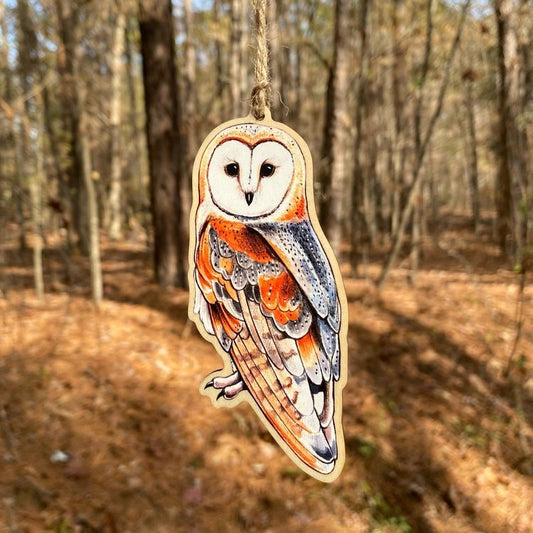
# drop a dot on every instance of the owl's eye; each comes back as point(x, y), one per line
point(232, 169)
point(267, 169)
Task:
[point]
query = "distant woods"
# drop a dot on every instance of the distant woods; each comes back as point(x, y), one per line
point(410, 108)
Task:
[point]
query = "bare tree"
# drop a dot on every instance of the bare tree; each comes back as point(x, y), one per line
point(275, 58)
point(135, 153)
point(115, 188)
point(357, 218)
point(397, 144)
point(237, 67)
point(12, 141)
point(36, 186)
point(69, 22)
point(162, 132)
point(507, 91)
point(472, 155)
point(219, 101)
point(31, 150)
point(332, 170)
point(416, 219)
point(424, 142)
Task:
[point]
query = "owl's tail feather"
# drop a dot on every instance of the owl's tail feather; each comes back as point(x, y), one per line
point(302, 434)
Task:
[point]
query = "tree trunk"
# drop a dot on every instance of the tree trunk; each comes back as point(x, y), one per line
point(90, 205)
point(115, 189)
point(275, 59)
point(432, 190)
point(324, 163)
point(334, 146)
point(421, 81)
point(137, 168)
point(237, 67)
point(189, 85)
point(84, 156)
point(398, 87)
point(13, 140)
point(31, 152)
point(297, 90)
point(69, 57)
point(87, 207)
point(189, 115)
point(473, 181)
point(357, 220)
point(162, 132)
point(371, 195)
point(414, 255)
point(188, 118)
point(504, 202)
point(62, 203)
point(36, 212)
point(416, 233)
point(219, 97)
point(69, 183)
point(6, 139)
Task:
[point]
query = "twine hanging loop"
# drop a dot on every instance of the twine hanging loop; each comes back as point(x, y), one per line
point(261, 92)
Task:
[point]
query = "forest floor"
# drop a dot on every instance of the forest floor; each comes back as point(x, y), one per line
point(102, 427)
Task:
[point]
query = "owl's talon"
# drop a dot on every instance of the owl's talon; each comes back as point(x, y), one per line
point(227, 381)
point(232, 391)
point(228, 393)
point(229, 386)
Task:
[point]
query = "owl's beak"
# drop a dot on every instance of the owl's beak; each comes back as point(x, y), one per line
point(249, 196)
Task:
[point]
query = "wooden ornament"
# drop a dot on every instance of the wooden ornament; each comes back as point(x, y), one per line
point(266, 289)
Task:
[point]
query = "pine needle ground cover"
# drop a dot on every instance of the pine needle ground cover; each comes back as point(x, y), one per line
point(103, 428)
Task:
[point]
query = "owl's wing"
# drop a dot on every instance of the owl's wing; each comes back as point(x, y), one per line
point(298, 247)
point(277, 314)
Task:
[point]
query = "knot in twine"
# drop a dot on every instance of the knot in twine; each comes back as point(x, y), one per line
point(261, 92)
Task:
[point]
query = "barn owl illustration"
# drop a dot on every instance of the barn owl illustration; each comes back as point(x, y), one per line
point(266, 289)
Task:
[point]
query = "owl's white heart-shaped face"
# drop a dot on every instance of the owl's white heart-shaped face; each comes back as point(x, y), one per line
point(249, 181)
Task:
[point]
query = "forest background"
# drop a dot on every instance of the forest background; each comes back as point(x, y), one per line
point(419, 116)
